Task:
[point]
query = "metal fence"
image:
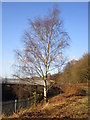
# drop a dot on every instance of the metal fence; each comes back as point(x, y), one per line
point(10, 107)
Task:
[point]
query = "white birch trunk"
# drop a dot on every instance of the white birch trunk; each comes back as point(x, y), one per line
point(45, 85)
point(45, 90)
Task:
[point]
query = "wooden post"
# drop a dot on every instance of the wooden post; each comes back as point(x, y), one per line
point(15, 106)
point(28, 101)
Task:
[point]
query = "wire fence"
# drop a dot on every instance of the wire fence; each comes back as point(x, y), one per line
point(10, 107)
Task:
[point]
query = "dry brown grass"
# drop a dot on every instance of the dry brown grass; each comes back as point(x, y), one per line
point(72, 89)
point(71, 104)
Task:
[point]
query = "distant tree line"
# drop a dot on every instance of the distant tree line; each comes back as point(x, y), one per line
point(75, 71)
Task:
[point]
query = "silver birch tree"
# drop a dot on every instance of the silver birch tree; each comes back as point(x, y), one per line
point(44, 44)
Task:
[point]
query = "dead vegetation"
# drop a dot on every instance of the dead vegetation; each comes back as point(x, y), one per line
point(73, 89)
point(73, 103)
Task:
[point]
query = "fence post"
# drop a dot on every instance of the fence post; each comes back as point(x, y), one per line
point(15, 106)
point(28, 101)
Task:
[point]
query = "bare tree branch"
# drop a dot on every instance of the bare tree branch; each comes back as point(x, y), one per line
point(44, 44)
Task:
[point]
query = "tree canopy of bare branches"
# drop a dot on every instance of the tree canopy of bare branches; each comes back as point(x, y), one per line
point(44, 44)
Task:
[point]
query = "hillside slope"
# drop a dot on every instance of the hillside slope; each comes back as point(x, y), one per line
point(66, 105)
